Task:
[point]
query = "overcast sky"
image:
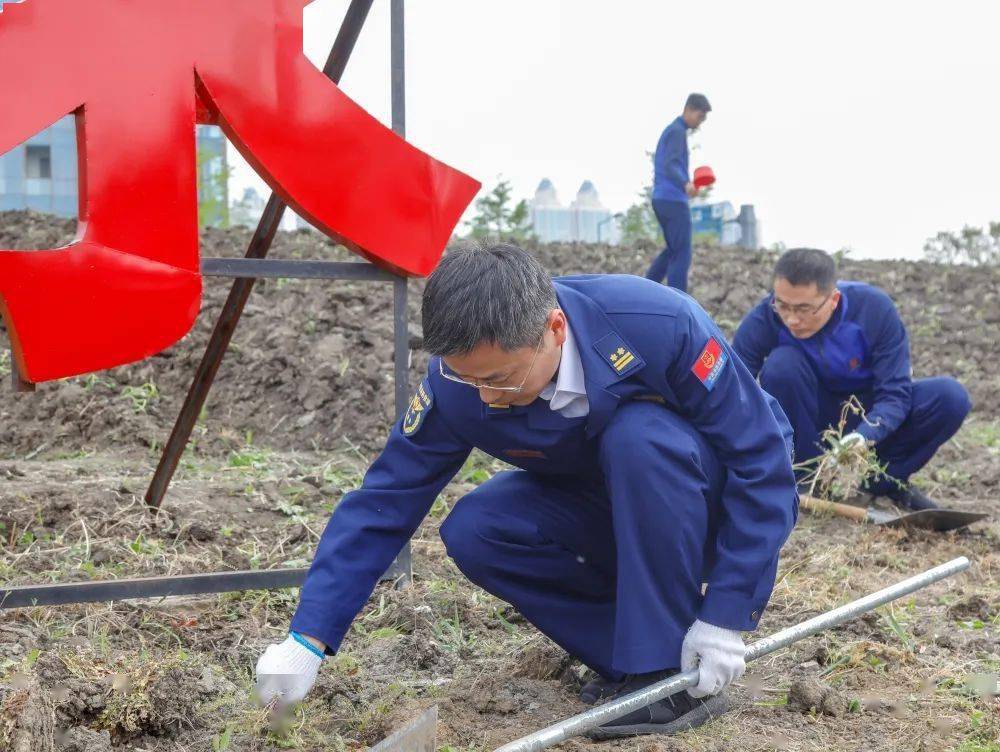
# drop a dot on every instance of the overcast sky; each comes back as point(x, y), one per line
point(869, 125)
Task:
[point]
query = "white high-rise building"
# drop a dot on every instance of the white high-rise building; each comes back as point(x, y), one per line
point(586, 219)
point(550, 220)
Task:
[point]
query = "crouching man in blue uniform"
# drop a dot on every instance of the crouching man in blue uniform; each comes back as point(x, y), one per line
point(650, 462)
point(814, 342)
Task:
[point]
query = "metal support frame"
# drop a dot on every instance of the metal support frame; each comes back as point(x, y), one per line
point(245, 271)
point(19, 384)
point(401, 570)
point(232, 309)
point(149, 587)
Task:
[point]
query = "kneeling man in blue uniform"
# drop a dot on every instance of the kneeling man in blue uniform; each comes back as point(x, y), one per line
point(814, 342)
point(649, 462)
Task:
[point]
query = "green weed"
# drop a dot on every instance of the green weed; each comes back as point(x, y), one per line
point(141, 396)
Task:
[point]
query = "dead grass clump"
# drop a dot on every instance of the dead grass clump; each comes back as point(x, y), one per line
point(147, 694)
point(842, 470)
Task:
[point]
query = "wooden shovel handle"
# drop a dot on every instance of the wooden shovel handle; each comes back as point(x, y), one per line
point(813, 504)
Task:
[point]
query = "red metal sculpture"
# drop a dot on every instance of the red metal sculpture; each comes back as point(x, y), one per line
point(136, 72)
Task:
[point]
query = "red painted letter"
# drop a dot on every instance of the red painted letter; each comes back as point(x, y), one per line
point(129, 285)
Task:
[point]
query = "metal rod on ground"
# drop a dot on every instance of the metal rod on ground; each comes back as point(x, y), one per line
point(578, 724)
point(260, 244)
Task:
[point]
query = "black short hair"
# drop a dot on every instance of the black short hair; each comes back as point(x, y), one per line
point(697, 102)
point(496, 293)
point(804, 266)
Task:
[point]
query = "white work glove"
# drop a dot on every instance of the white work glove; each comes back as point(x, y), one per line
point(853, 442)
point(287, 671)
point(717, 653)
point(853, 438)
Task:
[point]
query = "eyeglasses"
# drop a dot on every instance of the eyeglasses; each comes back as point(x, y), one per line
point(485, 385)
point(803, 310)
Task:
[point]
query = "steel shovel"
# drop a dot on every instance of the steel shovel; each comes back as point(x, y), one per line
point(419, 735)
point(940, 520)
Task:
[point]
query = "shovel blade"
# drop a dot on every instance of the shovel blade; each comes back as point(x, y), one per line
point(419, 735)
point(939, 520)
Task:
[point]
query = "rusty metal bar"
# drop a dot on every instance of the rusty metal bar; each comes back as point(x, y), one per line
point(259, 246)
point(19, 384)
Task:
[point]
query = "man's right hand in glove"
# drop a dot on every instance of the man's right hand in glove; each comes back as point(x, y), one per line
point(287, 670)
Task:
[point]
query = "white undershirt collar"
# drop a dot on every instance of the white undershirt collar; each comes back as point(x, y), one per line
point(568, 393)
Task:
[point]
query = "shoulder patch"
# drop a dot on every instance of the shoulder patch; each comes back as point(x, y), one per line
point(710, 363)
point(618, 355)
point(418, 408)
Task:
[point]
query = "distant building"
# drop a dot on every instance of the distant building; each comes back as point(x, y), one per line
point(550, 220)
point(586, 219)
point(41, 173)
point(720, 222)
point(248, 209)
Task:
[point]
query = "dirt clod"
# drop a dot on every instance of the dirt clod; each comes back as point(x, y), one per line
point(542, 660)
point(811, 696)
point(83, 739)
point(27, 719)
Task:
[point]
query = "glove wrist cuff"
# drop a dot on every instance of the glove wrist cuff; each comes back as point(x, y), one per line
point(296, 659)
point(307, 645)
point(704, 626)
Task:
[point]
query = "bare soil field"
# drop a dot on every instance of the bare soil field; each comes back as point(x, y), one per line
point(301, 406)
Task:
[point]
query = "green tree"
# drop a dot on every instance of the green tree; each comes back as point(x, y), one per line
point(498, 217)
point(972, 245)
point(213, 189)
point(638, 225)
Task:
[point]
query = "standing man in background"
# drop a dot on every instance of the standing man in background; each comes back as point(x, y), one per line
point(671, 191)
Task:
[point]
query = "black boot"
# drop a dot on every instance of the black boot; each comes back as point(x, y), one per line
point(670, 715)
point(601, 689)
point(912, 498)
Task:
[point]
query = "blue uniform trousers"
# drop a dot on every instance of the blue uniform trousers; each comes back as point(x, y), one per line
point(675, 259)
point(609, 566)
point(937, 408)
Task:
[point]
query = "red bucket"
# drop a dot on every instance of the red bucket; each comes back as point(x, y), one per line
point(703, 177)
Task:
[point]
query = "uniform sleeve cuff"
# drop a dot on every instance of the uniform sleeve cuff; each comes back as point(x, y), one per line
point(871, 433)
point(329, 637)
point(726, 608)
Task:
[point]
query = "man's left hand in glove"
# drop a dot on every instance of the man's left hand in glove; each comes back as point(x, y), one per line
point(717, 653)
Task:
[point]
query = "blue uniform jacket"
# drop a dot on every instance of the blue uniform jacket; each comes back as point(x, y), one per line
point(670, 163)
point(863, 348)
point(637, 339)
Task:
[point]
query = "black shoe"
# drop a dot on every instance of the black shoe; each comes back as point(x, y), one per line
point(600, 689)
point(670, 715)
point(912, 498)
